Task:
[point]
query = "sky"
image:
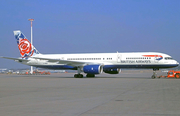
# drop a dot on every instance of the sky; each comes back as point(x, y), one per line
point(90, 26)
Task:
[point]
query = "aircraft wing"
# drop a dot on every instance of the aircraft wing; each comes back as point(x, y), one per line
point(15, 59)
point(67, 62)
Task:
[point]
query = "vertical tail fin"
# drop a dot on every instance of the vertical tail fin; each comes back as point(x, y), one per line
point(25, 47)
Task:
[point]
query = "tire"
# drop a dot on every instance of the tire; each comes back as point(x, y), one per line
point(81, 76)
point(78, 76)
point(90, 75)
point(177, 76)
point(153, 77)
point(75, 76)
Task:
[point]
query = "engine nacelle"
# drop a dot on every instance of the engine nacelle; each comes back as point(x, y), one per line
point(112, 71)
point(93, 69)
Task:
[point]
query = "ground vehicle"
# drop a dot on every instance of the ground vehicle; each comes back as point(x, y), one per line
point(172, 74)
point(36, 72)
point(40, 73)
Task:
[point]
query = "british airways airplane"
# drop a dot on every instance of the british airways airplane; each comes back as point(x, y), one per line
point(91, 63)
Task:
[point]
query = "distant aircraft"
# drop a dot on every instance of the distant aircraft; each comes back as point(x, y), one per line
point(91, 63)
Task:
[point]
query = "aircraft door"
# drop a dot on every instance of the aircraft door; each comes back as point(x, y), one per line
point(119, 56)
point(156, 58)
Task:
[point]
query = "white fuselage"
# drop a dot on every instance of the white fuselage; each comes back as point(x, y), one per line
point(108, 60)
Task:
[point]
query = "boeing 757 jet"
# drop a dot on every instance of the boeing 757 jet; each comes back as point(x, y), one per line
point(90, 63)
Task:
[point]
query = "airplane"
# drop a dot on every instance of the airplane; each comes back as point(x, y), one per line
point(91, 63)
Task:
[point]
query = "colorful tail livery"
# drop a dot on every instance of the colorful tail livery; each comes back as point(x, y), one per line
point(25, 47)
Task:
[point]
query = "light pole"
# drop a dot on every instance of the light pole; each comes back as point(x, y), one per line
point(31, 41)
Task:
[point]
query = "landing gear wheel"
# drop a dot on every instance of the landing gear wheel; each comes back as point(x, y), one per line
point(78, 76)
point(153, 77)
point(177, 76)
point(90, 75)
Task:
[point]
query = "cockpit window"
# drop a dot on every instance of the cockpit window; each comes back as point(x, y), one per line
point(168, 58)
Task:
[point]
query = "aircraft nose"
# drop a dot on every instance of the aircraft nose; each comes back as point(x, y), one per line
point(177, 63)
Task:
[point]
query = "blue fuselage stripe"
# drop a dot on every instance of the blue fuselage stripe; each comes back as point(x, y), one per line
point(109, 66)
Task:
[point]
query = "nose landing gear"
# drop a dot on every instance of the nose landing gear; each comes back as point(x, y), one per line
point(154, 73)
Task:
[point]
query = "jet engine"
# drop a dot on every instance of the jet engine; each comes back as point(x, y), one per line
point(93, 69)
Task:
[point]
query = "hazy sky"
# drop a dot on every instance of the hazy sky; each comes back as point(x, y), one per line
point(80, 26)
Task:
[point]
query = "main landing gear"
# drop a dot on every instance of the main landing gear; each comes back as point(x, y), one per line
point(79, 75)
point(154, 73)
point(90, 75)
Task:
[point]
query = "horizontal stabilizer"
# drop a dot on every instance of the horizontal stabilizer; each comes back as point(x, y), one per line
point(19, 59)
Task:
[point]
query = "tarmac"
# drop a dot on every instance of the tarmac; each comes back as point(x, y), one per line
point(125, 94)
